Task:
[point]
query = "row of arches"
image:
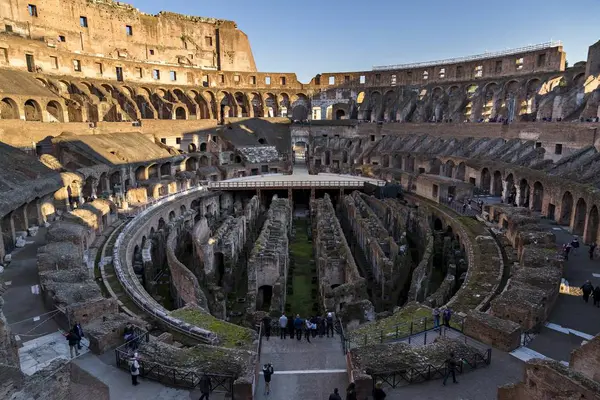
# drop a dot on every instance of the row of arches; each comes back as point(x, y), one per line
point(31, 110)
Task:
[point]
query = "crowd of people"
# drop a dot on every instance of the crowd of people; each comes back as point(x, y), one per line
point(298, 327)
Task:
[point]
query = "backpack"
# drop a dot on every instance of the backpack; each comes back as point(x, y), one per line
point(132, 369)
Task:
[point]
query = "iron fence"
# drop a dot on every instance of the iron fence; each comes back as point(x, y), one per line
point(426, 372)
point(168, 375)
point(288, 184)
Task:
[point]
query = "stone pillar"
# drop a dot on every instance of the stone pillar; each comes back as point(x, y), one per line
point(290, 197)
point(504, 191)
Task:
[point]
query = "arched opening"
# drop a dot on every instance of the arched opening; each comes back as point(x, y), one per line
point(435, 166)
point(33, 111)
point(497, 186)
point(580, 213)
point(204, 161)
point(219, 268)
point(9, 109)
point(460, 171)
point(161, 224)
point(486, 180)
point(386, 161)
point(438, 225)
point(242, 103)
point(300, 151)
point(263, 298)
point(33, 215)
point(566, 208)
point(410, 164)
point(397, 161)
point(172, 216)
point(88, 190)
point(55, 112)
point(115, 180)
point(153, 171)
point(191, 148)
point(203, 146)
point(182, 209)
point(592, 226)
point(180, 113)
point(449, 169)
point(140, 173)
point(165, 169)
point(524, 191)
point(191, 164)
point(340, 114)
point(511, 191)
point(538, 196)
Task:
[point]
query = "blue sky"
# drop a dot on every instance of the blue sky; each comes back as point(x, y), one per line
point(310, 37)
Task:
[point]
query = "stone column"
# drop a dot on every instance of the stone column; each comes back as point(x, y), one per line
point(504, 191)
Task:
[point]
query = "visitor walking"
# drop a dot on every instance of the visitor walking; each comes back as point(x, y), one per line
point(268, 372)
point(436, 318)
point(587, 289)
point(591, 250)
point(79, 331)
point(351, 391)
point(575, 244)
point(298, 325)
point(267, 326)
point(283, 322)
point(567, 250)
point(73, 339)
point(378, 393)
point(596, 295)
point(335, 395)
point(447, 316)
point(204, 385)
point(329, 322)
point(450, 369)
point(134, 369)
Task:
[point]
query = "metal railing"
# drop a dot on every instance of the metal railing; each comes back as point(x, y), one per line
point(288, 184)
point(494, 54)
point(168, 375)
point(428, 372)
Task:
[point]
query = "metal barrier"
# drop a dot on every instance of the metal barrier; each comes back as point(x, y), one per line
point(288, 184)
point(428, 371)
point(168, 375)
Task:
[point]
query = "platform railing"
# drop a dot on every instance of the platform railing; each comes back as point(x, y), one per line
point(288, 184)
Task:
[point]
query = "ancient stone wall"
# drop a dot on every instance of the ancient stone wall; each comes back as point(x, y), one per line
point(339, 280)
point(269, 260)
point(499, 333)
point(586, 359)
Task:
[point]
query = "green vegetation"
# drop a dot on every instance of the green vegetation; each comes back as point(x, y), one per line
point(301, 299)
point(230, 335)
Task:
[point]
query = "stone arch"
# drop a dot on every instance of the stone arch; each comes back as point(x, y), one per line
point(204, 161)
point(165, 169)
point(55, 111)
point(461, 171)
point(33, 111)
point(566, 208)
point(532, 90)
point(375, 106)
point(161, 224)
point(172, 216)
point(438, 225)
point(410, 164)
point(386, 160)
point(33, 214)
point(497, 184)
point(538, 196)
point(153, 171)
point(192, 148)
point(340, 114)
point(191, 164)
point(228, 106)
point(435, 166)
point(345, 157)
point(243, 105)
point(257, 105)
point(485, 180)
point(449, 168)
point(591, 233)
point(9, 109)
point(284, 104)
point(140, 173)
point(300, 107)
point(88, 189)
point(263, 297)
point(579, 79)
point(182, 209)
point(511, 191)
point(580, 213)
point(115, 179)
point(180, 113)
point(203, 146)
point(524, 191)
point(271, 105)
point(204, 108)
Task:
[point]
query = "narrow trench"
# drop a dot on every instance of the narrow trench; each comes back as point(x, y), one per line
point(302, 284)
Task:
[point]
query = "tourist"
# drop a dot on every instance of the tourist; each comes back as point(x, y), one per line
point(335, 395)
point(447, 315)
point(298, 324)
point(73, 339)
point(464, 208)
point(313, 326)
point(378, 393)
point(283, 322)
point(329, 323)
point(436, 318)
point(596, 295)
point(267, 326)
point(575, 244)
point(267, 372)
point(587, 289)
point(79, 331)
point(351, 391)
point(204, 386)
point(566, 250)
point(307, 326)
point(134, 369)
point(450, 369)
point(591, 250)
point(291, 327)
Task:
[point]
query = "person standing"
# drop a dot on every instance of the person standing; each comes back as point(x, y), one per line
point(567, 250)
point(587, 289)
point(447, 316)
point(575, 244)
point(378, 393)
point(204, 387)
point(268, 372)
point(591, 250)
point(335, 395)
point(351, 391)
point(436, 318)
point(298, 324)
point(134, 369)
point(79, 331)
point(283, 322)
point(329, 322)
point(596, 295)
point(307, 326)
point(291, 327)
point(450, 369)
point(73, 339)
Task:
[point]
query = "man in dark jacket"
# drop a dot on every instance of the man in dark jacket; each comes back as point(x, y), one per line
point(291, 327)
point(204, 387)
point(79, 332)
point(267, 326)
point(335, 395)
point(73, 339)
point(450, 369)
point(267, 373)
point(596, 295)
point(298, 327)
point(587, 289)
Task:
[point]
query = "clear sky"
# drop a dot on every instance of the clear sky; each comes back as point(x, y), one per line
point(310, 37)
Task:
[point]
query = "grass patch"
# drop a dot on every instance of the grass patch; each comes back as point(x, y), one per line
point(230, 335)
point(301, 249)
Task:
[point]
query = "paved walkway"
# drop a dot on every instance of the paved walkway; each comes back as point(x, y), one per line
point(303, 370)
point(572, 320)
point(24, 308)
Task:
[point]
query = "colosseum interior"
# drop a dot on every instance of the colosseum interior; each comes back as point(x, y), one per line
point(153, 183)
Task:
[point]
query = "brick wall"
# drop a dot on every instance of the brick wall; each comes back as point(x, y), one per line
point(586, 359)
point(502, 334)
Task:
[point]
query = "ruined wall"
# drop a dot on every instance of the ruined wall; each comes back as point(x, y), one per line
point(499, 333)
point(339, 280)
point(269, 260)
point(586, 359)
